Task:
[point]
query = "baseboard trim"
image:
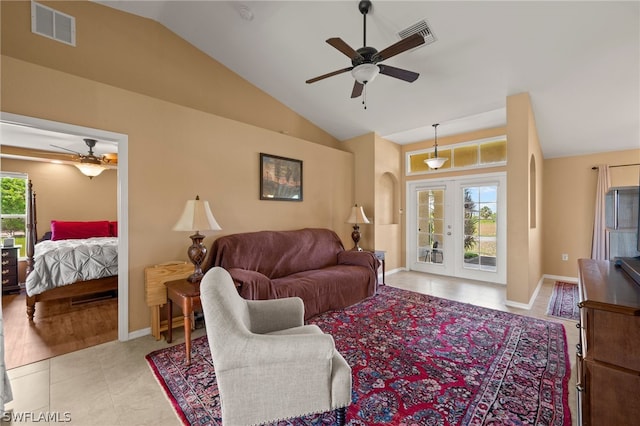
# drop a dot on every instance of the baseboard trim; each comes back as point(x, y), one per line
point(561, 278)
point(529, 305)
point(139, 333)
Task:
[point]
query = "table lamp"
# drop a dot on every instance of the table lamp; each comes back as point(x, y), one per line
point(197, 217)
point(357, 216)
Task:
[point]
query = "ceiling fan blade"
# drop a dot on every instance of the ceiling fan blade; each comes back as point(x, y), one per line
point(357, 89)
point(66, 149)
point(331, 74)
point(340, 44)
point(399, 47)
point(405, 75)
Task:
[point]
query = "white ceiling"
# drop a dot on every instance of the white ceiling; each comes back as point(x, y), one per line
point(579, 61)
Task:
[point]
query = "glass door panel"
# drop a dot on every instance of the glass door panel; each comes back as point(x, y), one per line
point(430, 218)
point(479, 246)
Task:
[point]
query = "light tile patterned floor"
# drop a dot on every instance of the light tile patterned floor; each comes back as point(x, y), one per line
point(111, 384)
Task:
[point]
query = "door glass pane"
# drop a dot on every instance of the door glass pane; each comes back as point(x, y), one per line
point(480, 218)
point(430, 226)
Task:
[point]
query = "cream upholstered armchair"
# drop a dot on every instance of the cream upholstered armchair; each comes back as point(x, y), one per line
point(269, 365)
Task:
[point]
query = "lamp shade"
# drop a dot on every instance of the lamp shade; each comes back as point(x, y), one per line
point(197, 216)
point(90, 169)
point(365, 73)
point(357, 215)
point(435, 162)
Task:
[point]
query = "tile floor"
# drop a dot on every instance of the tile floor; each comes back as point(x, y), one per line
point(111, 384)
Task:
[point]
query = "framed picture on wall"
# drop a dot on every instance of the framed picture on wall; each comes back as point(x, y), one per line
point(280, 178)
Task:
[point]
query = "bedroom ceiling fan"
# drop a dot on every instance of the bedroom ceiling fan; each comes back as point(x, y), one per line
point(365, 62)
point(91, 165)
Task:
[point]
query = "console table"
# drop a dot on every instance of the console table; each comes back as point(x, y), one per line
point(608, 352)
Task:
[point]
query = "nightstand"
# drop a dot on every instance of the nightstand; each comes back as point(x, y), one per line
point(10, 270)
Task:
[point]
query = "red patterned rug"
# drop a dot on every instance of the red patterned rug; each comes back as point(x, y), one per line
point(564, 301)
point(416, 360)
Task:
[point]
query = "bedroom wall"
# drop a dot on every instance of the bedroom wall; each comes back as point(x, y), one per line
point(569, 203)
point(63, 193)
point(175, 151)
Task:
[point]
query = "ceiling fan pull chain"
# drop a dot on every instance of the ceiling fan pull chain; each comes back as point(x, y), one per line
point(364, 96)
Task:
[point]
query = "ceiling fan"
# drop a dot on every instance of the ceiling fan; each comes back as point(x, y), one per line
point(91, 165)
point(365, 62)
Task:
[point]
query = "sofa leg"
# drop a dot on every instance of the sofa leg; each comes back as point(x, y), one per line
point(340, 415)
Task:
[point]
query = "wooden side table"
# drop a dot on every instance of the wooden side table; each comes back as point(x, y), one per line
point(187, 295)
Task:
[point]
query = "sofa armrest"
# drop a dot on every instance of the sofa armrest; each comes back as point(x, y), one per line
point(252, 284)
point(276, 314)
point(358, 258)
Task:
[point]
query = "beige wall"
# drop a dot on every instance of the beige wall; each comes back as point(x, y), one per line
point(524, 239)
point(140, 55)
point(175, 151)
point(569, 205)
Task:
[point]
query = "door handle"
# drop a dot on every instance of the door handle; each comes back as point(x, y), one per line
point(448, 233)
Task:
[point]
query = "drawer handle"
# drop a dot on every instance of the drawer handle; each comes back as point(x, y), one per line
point(5, 282)
point(5, 262)
point(5, 253)
point(5, 271)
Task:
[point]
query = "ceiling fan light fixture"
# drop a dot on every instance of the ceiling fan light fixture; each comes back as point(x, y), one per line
point(90, 169)
point(365, 73)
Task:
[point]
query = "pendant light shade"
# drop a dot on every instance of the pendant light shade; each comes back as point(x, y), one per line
point(436, 162)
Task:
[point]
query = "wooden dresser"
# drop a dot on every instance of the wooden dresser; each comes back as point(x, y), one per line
point(10, 270)
point(608, 358)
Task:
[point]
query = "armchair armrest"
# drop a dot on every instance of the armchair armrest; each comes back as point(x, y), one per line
point(265, 349)
point(266, 316)
point(358, 258)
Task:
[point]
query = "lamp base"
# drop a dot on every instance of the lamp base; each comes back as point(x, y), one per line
point(355, 236)
point(197, 252)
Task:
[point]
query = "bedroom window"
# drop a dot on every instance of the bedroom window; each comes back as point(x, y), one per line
point(13, 213)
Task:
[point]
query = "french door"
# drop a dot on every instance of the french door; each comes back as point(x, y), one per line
point(457, 227)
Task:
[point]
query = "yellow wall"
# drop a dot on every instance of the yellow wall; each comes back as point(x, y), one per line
point(175, 151)
point(569, 203)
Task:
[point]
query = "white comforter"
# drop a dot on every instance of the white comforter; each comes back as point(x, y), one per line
point(63, 262)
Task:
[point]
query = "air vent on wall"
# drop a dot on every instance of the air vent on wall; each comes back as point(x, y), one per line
point(53, 24)
point(421, 28)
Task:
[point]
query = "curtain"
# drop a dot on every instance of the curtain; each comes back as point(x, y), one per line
point(600, 241)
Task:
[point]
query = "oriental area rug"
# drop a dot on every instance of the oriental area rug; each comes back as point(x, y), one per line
point(564, 301)
point(416, 360)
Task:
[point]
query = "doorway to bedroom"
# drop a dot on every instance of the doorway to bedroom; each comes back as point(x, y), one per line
point(76, 319)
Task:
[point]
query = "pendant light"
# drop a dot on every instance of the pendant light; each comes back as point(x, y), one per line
point(436, 162)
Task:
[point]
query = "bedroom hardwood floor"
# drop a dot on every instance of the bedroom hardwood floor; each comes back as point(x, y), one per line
point(58, 328)
point(112, 384)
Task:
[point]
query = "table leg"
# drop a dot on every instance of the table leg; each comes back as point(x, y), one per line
point(169, 320)
point(383, 267)
point(187, 335)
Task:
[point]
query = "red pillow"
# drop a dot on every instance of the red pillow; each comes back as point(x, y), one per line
point(61, 230)
point(113, 229)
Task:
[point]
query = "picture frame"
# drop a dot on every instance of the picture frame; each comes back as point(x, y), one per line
point(280, 178)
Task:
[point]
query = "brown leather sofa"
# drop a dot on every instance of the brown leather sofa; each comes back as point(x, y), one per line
point(308, 263)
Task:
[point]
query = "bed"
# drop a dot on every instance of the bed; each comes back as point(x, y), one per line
point(79, 259)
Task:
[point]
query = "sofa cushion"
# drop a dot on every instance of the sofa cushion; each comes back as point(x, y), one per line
point(277, 254)
point(321, 290)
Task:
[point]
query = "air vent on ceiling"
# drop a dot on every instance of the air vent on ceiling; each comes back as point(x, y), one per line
point(421, 28)
point(53, 24)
